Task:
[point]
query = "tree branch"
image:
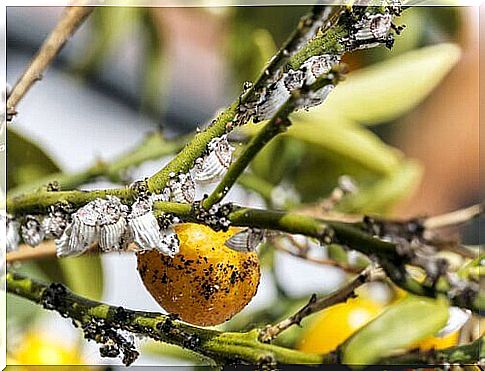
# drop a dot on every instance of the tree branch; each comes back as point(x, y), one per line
point(93, 317)
point(70, 22)
point(454, 218)
point(154, 146)
point(315, 305)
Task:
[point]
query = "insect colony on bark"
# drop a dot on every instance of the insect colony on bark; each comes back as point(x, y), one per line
point(115, 225)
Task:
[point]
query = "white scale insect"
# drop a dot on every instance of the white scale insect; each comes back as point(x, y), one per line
point(32, 231)
point(214, 165)
point(54, 225)
point(12, 235)
point(246, 240)
point(181, 188)
point(146, 233)
point(276, 95)
point(101, 220)
point(373, 27)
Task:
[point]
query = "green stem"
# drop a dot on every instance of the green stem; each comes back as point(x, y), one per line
point(274, 127)
point(220, 346)
point(154, 146)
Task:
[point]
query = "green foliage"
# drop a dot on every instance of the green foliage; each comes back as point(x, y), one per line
point(328, 141)
point(385, 91)
point(400, 326)
point(26, 161)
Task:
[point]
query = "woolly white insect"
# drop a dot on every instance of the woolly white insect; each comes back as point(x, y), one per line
point(214, 165)
point(316, 98)
point(81, 233)
point(246, 240)
point(145, 231)
point(12, 235)
point(54, 224)
point(32, 231)
point(181, 188)
point(112, 224)
point(279, 92)
point(373, 27)
point(457, 318)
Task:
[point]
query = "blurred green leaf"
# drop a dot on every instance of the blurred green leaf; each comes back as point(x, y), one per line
point(399, 327)
point(385, 193)
point(26, 161)
point(386, 90)
point(108, 27)
point(348, 143)
point(278, 159)
point(84, 275)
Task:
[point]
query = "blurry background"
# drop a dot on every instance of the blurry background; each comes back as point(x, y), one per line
point(131, 71)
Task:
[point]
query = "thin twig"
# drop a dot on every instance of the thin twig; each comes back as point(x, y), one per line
point(454, 218)
point(315, 305)
point(70, 22)
point(277, 125)
point(329, 262)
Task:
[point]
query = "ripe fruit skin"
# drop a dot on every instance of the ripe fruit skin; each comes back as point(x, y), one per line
point(206, 283)
point(337, 323)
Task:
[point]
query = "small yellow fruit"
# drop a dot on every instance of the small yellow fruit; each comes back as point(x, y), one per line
point(335, 324)
point(206, 283)
point(40, 349)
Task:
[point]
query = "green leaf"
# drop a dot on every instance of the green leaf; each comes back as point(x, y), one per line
point(26, 161)
point(84, 275)
point(381, 196)
point(386, 90)
point(347, 142)
point(278, 159)
point(399, 327)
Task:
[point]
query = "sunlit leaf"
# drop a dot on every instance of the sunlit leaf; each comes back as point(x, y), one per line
point(399, 327)
point(386, 90)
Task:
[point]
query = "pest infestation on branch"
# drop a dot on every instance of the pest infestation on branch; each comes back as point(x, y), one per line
point(207, 283)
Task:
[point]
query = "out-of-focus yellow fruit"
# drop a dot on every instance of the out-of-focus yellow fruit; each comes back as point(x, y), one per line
point(335, 324)
point(438, 342)
point(206, 283)
point(40, 349)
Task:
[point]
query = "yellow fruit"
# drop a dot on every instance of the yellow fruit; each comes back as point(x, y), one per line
point(40, 349)
point(337, 323)
point(438, 342)
point(206, 283)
